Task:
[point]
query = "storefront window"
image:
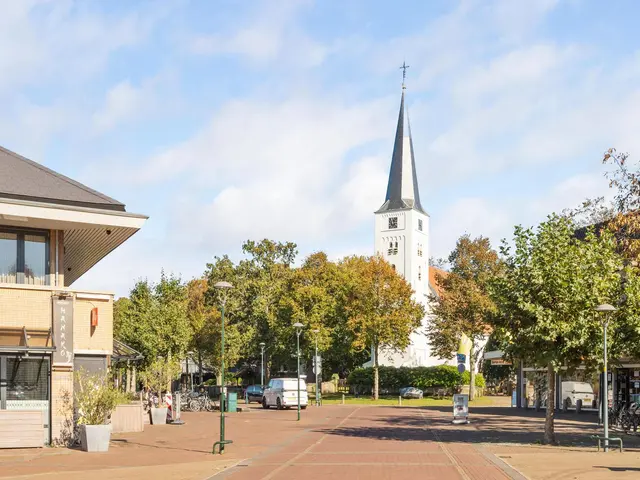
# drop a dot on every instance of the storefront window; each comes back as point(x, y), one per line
point(27, 379)
point(23, 257)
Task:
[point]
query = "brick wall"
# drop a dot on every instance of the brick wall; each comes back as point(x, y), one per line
point(29, 308)
point(86, 337)
point(61, 406)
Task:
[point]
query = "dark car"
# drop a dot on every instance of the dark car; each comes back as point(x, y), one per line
point(254, 393)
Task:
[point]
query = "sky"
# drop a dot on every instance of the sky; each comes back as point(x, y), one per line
point(232, 120)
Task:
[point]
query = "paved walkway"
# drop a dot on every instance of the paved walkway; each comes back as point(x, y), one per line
point(372, 443)
point(340, 442)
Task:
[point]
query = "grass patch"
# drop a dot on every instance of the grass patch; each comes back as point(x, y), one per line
point(335, 399)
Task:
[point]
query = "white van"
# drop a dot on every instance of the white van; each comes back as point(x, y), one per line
point(283, 392)
point(574, 391)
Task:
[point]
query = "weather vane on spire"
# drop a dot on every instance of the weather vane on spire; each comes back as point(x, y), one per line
point(404, 72)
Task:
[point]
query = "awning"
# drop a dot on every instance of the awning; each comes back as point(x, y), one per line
point(23, 339)
point(123, 352)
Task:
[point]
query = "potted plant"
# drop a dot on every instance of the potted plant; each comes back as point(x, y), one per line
point(95, 399)
point(157, 377)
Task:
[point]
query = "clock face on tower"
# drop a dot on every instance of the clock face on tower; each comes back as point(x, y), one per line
point(393, 222)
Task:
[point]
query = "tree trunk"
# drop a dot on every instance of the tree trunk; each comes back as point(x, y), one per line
point(376, 379)
point(200, 374)
point(549, 430)
point(472, 371)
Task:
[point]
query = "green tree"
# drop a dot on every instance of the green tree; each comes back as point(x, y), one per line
point(547, 295)
point(380, 310)
point(464, 306)
point(260, 283)
point(153, 320)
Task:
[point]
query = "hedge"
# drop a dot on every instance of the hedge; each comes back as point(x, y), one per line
point(393, 379)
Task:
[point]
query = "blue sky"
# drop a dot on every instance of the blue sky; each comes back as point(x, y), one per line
point(227, 120)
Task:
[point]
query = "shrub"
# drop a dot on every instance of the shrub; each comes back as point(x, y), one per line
point(480, 381)
point(393, 379)
point(96, 398)
point(158, 374)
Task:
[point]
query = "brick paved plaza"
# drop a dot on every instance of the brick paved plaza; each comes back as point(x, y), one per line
point(351, 442)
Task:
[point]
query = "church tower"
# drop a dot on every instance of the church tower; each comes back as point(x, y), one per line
point(402, 234)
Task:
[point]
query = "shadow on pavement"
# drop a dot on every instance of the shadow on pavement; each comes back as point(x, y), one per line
point(488, 425)
point(620, 469)
point(160, 446)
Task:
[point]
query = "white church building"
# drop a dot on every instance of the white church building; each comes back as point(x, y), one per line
point(402, 238)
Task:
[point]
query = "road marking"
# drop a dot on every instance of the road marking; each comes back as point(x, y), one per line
point(308, 449)
point(455, 463)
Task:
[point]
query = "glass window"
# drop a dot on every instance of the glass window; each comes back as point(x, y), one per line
point(393, 222)
point(27, 379)
point(8, 257)
point(35, 259)
point(23, 257)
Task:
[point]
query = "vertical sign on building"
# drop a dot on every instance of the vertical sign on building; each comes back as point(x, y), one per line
point(63, 331)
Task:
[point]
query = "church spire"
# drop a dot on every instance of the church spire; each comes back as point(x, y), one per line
point(402, 189)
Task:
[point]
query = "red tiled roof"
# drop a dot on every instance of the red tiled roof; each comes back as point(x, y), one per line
point(432, 278)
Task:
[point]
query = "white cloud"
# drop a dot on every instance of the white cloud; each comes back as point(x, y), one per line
point(125, 102)
point(270, 33)
point(62, 42)
point(283, 170)
point(496, 218)
point(475, 216)
point(121, 103)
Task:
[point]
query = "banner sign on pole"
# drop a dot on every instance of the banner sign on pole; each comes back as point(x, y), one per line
point(63, 332)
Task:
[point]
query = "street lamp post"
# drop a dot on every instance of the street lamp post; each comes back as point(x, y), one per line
point(262, 364)
point(223, 287)
point(316, 331)
point(606, 309)
point(299, 327)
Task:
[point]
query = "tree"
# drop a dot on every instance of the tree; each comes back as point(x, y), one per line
point(546, 299)
point(464, 306)
point(380, 310)
point(316, 298)
point(624, 218)
point(153, 320)
point(500, 376)
point(254, 304)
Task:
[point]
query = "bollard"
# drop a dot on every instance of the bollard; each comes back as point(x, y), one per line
point(246, 398)
point(579, 406)
point(400, 400)
point(343, 399)
point(176, 411)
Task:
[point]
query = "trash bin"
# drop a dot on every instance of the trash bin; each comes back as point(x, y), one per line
point(232, 402)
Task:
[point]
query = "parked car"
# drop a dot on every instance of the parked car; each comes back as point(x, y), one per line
point(411, 392)
point(283, 393)
point(574, 391)
point(254, 393)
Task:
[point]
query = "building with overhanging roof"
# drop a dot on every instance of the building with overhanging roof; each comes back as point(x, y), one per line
point(52, 231)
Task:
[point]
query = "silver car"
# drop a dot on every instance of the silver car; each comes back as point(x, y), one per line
point(411, 392)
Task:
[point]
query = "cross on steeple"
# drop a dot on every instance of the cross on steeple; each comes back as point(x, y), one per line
point(404, 73)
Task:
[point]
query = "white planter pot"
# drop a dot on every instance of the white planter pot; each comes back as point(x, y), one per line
point(158, 416)
point(95, 438)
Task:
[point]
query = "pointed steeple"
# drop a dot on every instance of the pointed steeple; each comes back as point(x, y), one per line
point(402, 189)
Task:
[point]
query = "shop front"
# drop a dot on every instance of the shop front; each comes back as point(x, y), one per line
point(25, 381)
